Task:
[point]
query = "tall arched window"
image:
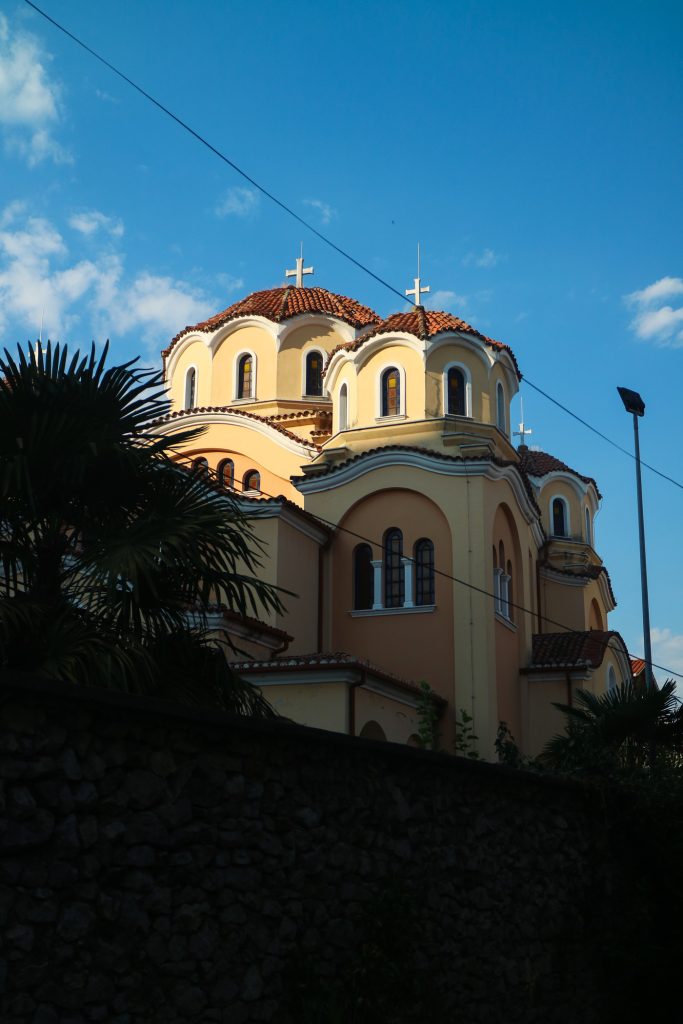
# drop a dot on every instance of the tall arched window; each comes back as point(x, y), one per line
point(424, 572)
point(456, 399)
point(314, 373)
point(560, 517)
point(363, 577)
point(343, 407)
point(190, 388)
point(509, 598)
point(245, 376)
point(611, 679)
point(225, 473)
point(394, 576)
point(391, 392)
point(589, 527)
point(251, 481)
point(501, 420)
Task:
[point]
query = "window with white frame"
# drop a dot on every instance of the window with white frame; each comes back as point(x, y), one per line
point(190, 388)
point(390, 392)
point(245, 375)
point(589, 526)
point(559, 517)
point(343, 407)
point(501, 418)
point(457, 391)
point(313, 373)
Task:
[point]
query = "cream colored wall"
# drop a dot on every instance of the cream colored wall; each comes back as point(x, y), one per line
point(320, 705)
point(292, 355)
point(227, 352)
point(198, 355)
point(544, 720)
point(297, 571)
point(347, 375)
point(368, 382)
point(436, 363)
point(562, 605)
point(398, 720)
point(499, 374)
point(562, 489)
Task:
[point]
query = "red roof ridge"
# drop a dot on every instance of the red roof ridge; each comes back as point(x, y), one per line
point(571, 649)
point(424, 324)
point(238, 412)
point(278, 304)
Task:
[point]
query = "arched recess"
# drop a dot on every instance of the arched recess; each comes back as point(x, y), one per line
point(372, 731)
point(457, 390)
point(343, 407)
point(312, 363)
point(510, 622)
point(190, 398)
point(595, 616)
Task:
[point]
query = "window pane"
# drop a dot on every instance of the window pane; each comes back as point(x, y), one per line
point(559, 526)
point(456, 392)
point(394, 579)
point(244, 377)
point(424, 572)
point(314, 374)
point(363, 588)
point(391, 393)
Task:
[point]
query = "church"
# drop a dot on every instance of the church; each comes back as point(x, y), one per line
point(415, 542)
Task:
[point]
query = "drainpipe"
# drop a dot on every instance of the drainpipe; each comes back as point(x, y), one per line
point(352, 701)
point(544, 552)
point(570, 701)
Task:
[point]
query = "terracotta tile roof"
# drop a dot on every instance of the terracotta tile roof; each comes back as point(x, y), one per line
point(541, 463)
point(270, 420)
point(424, 324)
point(249, 620)
point(572, 650)
point(590, 572)
point(278, 304)
point(637, 666)
point(336, 659)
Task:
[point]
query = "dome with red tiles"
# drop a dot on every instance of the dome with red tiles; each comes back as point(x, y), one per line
point(280, 304)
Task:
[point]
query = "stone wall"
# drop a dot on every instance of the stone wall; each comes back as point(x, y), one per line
point(160, 864)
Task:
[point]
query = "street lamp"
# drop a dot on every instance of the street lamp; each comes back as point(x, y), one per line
point(633, 403)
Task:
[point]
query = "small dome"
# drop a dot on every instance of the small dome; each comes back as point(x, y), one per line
point(278, 304)
point(425, 324)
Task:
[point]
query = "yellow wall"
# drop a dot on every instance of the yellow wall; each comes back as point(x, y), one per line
point(322, 706)
point(398, 720)
point(293, 351)
point(246, 339)
point(198, 355)
point(436, 363)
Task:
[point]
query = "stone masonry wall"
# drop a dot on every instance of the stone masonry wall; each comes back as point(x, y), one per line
point(159, 864)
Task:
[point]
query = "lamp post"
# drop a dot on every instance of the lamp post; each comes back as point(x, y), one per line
point(633, 403)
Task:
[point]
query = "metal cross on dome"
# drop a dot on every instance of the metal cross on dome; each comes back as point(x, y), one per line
point(300, 270)
point(417, 291)
point(523, 432)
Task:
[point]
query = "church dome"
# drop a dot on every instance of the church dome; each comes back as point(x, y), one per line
point(426, 324)
point(279, 304)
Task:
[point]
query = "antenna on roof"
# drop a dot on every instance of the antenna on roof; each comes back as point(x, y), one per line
point(522, 432)
point(417, 290)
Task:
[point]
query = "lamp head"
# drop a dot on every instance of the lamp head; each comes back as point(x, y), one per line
point(632, 401)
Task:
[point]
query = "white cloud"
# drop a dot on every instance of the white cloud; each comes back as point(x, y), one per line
point(446, 300)
point(239, 202)
point(41, 283)
point(487, 258)
point(327, 212)
point(29, 99)
point(91, 221)
point(654, 322)
point(667, 650)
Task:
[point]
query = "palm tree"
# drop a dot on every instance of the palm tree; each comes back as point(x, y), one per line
point(111, 551)
point(627, 728)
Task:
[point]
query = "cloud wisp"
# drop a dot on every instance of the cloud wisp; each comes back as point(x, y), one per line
point(91, 221)
point(485, 260)
point(30, 101)
point(667, 650)
point(238, 202)
point(326, 212)
point(654, 320)
point(448, 301)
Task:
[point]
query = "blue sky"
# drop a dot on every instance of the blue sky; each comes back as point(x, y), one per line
point(535, 151)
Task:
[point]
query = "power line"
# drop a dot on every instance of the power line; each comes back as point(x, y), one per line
point(456, 579)
point(599, 433)
point(217, 152)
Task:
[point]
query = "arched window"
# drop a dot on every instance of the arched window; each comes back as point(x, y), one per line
point(314, 373)
point(589, 527)
point(245, 376)
point(251, 481)
point(372, 731)
point(497, 573)
point(200, 465)
point(394, 577)
point(424, 572)
point(190, 388)
point(363, 577)
point(501, 419)
point(225, 473)
point(343, 407)
point(391, 392)
point(509, 597)
point(456, 399)
point(560, 518)
point(611, 679)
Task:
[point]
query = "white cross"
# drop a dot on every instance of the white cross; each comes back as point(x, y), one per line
point(417, 291)
point(300, 270)
point(522, 432)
